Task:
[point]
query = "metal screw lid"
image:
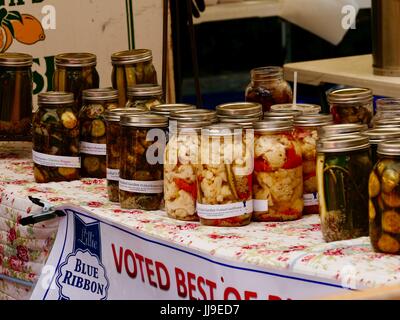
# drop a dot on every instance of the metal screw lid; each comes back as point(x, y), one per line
point(221, 129)
point(388, 105)
point(55, 97)
point(15, 59)
point(305, 108)
point(350, 96)
point(339, 129)
point(239, 109)
point(342, 143)
point(386, 121)
point(80, 59)
point(114, 115)
point(389, 147)
point(166, 109)
point(100, 94)
point(144, 120)
point(273, 126)
point(194, 115)
point(144, 90)
point(381, 134)
point(313, 120)
point(131, 56)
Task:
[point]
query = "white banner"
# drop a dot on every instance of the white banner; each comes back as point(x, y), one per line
point(95, 259)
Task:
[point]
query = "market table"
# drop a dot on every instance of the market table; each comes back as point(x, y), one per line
point(352, 71)
point(273, 252)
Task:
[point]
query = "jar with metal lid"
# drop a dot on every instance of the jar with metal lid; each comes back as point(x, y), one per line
point(343, 167)
point(306, 133)
point(15, 96)
point(341, 129)
point(387, 108)
point(113, 139)
point(278, 172)
point(351, 105)
point(75, 72)
point(305, 108)
point(384, 199)
point(182, 157)
point(386, 122)
point(197, 114)
point(268, 87)
point(93, 130)
point(55, 151)
point(130, 68)
point(224, 177)
point(239, 110)
point(145, 96)
point(379, 135)
point(281, 115)
point(166, 109)
point(142, 155)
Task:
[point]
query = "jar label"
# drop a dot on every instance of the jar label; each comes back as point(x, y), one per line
point(221, 211)
point(98, 149)
point(48, 160)
point(141, 186)
point(260, 205)
point(113, 174)
point(311, 199)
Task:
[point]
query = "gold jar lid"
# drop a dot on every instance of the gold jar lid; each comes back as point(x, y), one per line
point(342, 143)
point(100, 94)
point(313, 120)
point(144, 90)
point(389, 147)
point(239, 110)
point(340, 129)
point(378, 135)
point(131, 56)
point(305, 108)
point(350, 96)
point(55, 97)
point(15, 59)
point(144, 120)
point(79, 59)
point(273, 126)
point(386, 121)
point(114, 115)
point(166, 109)
point(194, 115)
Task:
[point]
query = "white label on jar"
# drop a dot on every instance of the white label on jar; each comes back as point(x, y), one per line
point(141, 186)
point(48, 160)
point(311, 199)
point(260, 205)
point(113, 174)
point(222, 211)
point(98, 149)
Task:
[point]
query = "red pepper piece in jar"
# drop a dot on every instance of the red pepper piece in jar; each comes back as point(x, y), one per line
point(336, 116)
point(293, 159)
point(188, 187)
point(245, 195)
point(262, 165)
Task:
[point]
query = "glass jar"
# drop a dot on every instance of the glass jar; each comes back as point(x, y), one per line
point(379, 135)
point(113, 139)
point(56, 138)
point(341, 129)
point(384, 199)
point(166, 109)
point(182, 156)
point(130, 68)
point(303, 107)
point(93, 130)
point(343, 167)
point(306, 133)
point(75, 72)
point(224, 197)
point(144, 96)
point(141, 167)
point(15, 96)
point(351, 105)
point(278, 172)
point(387, 108)
point(268, 87)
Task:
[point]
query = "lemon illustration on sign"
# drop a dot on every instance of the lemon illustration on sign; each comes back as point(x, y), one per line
point(29, 30)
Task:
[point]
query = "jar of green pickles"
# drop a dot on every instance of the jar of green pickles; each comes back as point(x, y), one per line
point(93, 130)
point(144, 96)
point(343, 167)
point(384, 199)
point(143, 140)
point(130, 68)
point(56, 138)
point(15, 96)
point(113, 118)
point(74, 73)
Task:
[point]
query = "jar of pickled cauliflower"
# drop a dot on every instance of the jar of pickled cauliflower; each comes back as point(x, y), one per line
point(224, 177)
point(278, 172)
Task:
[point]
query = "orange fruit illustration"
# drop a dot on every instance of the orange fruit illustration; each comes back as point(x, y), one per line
point(6, 38)
point(29, 31)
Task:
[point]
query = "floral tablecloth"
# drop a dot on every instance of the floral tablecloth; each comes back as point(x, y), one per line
point(296, 246)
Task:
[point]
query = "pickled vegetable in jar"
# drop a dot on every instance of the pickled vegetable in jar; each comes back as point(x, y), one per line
point(351, 105)
point(141, 165)
point(56, 138)
point(113, 139)
point(278, 172)
point(268, 87)
point(304, 108)
point(384, 199)
point(144, 96)
point(93, 130)
point(343, 167)
point(379, 135)
point(182, 156)
point(15, 96)
point(224, 176)
point(306, 133)
point(387, 108)
point(130, 68)
point(75, 72)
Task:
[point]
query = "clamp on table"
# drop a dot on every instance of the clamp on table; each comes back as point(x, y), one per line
point(47, 213)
